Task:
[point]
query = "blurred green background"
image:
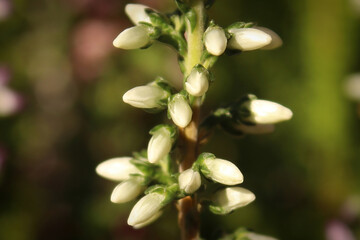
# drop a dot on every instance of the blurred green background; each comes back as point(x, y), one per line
point(58, 58)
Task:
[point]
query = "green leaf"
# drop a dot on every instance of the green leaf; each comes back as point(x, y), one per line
point(177, 20)
point(191, 16)
point(157, 19)
point(145, 167)
point(200, 162)
point(182, 6)
point(174, 40)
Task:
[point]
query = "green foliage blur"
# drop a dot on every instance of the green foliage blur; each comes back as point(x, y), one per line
point(60, 59)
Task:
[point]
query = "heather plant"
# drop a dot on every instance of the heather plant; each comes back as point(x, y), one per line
point(172, 169)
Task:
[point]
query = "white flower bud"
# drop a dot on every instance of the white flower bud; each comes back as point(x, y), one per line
point(159, 145)
point(152, 219)
point(127, 190)
point(197, 82)
point(180, 110)
point(231, 198)
point(149, 96)
point(215, 40)
point(255, 236)
point(136, 13)
point(189, 181)
point(117, 169)
point(266, 112)
point(275, 39)
point(132, 38)
point(246, 39)
point(145, 209)
point(222, 171)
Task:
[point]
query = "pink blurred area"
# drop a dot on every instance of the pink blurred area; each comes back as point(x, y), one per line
point(5, 9)
point(91, 45)
point(337, 230)
point(10, 101)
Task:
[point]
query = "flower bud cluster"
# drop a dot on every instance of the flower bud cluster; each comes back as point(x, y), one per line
point(220, 171)
point(134, 175)
point(153, 166)
point(239, 36)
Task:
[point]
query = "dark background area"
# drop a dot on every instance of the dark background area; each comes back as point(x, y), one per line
point(59, 60)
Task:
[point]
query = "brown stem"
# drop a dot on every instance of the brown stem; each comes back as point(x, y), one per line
point(189, 220)
point(188, 217)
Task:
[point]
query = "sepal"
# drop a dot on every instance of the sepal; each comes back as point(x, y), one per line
point(240, 25)
point(182, 6)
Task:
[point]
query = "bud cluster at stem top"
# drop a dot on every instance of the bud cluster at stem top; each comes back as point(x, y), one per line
point(151, 171)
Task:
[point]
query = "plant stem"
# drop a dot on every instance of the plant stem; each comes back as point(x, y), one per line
point(188, 217)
